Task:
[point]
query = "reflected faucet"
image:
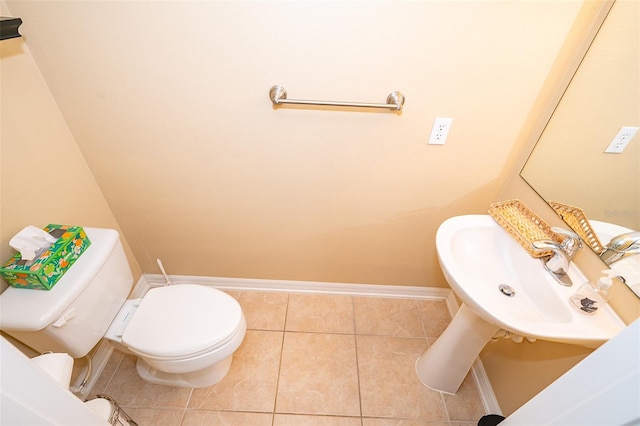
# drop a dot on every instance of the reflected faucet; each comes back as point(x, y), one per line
point(621, 246)
point(563, 253)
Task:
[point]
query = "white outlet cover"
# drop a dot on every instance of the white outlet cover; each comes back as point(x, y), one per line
point(440, 130)
point(621, 140)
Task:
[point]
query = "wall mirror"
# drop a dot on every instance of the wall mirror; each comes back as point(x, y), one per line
point(568, 167)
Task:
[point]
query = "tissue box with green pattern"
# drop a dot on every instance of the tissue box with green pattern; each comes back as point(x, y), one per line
point(43, 272)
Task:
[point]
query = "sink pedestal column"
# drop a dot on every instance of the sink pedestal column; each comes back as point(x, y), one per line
point(445, 364)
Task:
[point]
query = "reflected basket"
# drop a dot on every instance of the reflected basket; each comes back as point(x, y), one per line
point(577, 220)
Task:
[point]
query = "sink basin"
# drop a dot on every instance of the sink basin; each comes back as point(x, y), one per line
point(477, 255)
point(606, 231)
point(502, 288)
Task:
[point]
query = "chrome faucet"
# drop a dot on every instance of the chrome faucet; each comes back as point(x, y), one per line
point(558, 263)
point(621, 246)
point(571, 244)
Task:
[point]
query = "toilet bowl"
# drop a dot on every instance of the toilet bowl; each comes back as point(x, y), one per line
point(182, 335)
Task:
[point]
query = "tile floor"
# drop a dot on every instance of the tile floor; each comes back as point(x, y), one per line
point(310, 359)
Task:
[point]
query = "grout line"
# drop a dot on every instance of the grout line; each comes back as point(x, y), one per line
point(189, 399)
point(424, 329)
point(444, 404)
point(355, 342)
point(184, 412)
point(113, 374)
point(284, 332)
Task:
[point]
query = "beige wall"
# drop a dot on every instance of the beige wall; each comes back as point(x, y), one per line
point(166, 106)
point(168, 102)
point(44, 177)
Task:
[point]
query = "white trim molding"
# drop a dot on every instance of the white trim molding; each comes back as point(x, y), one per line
point(315, 287)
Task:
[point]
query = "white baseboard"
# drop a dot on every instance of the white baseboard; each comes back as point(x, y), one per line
point(148, 281)
point(316, 287)
point(488, 397)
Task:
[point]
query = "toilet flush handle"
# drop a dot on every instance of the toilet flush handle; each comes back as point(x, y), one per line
point(62, 321)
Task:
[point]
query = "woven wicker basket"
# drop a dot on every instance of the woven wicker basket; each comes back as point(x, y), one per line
point(577, 220)
point(523, 225)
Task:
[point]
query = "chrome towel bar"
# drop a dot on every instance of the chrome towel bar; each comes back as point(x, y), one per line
point(278, 96)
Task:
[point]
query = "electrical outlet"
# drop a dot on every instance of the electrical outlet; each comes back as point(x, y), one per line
point(440, 130)
point(621, 140)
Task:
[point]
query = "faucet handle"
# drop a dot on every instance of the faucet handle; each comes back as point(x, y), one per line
point(555, 248)
point(571, 244)
point(545, 244)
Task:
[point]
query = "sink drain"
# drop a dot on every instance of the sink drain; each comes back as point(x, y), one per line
point(506, 290)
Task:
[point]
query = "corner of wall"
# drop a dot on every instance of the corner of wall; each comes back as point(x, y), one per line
point(34, 128)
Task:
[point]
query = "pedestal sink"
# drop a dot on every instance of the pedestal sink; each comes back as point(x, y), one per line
point(502, 288)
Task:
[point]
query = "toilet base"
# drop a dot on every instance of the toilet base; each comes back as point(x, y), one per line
point(198, 379)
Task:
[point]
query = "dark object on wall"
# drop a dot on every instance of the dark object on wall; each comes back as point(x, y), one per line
point(9, 27)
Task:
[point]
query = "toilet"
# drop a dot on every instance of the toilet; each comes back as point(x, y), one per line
point(182, 334)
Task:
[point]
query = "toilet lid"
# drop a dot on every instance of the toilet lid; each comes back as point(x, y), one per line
point(180, 320)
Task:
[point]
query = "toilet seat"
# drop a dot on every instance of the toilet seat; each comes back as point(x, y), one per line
point(182, 321)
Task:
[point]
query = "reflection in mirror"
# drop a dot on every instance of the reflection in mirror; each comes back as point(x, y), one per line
point(621, 243)
point(568, 166)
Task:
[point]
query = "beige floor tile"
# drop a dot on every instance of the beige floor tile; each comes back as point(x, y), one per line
point(107, 374)
point(387, 317)
point(299, 420)
point(308, 375)
point(129, 390)
point(434, 316)
point(225, 418)
point(322, 313)
point(388, 381)
point(263, 310)
point(400, 422)
point(466, 404)
point(251, 382)
point(148, 416)
point(318, 375)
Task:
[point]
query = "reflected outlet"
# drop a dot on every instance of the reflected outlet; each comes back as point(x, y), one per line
point(621, 140)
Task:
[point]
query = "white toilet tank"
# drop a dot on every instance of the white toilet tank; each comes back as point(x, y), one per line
point(74, 315)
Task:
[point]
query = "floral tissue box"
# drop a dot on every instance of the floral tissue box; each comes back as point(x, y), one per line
point(43, 272)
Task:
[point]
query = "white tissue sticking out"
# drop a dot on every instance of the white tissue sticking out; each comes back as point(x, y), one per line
point(31, 242)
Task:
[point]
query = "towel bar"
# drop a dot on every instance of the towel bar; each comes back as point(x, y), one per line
point(278, 96)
